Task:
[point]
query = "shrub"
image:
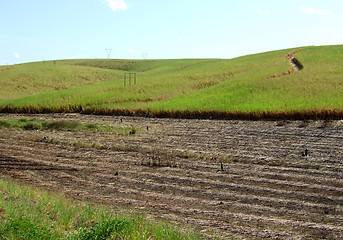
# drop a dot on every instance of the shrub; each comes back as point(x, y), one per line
point(79, 144)
point(22, 120)
point(133, 130)
point(92, 126)
point(22, 228)
point(4, 124)
point(102, 230)
point(31, 126)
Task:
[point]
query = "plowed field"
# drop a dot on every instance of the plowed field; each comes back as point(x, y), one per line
point(173, 171)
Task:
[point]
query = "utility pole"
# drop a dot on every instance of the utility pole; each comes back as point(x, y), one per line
point(129, 76)
point(108, 51)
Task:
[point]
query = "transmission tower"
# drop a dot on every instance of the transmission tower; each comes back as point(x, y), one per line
point(108, 51)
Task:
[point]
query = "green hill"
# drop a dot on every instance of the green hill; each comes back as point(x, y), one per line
point(252, 84)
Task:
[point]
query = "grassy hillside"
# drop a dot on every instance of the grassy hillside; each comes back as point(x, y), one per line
point(194, 85)
point(318, 85)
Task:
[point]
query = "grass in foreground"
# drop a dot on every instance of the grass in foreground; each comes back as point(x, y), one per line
point(29, 213)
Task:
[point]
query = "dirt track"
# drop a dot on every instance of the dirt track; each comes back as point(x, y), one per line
point(171, 171)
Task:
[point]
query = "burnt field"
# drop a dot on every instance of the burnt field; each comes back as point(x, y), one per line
point(172, 171)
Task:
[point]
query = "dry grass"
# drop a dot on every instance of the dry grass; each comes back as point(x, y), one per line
point(314, 114)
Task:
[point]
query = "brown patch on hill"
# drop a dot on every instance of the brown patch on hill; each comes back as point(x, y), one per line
point(295, 63)
point(4, 69)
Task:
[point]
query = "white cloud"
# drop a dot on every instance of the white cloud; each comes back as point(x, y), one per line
point(315, 11)
point(133, 51)
point(16, 55)
point(116, 4)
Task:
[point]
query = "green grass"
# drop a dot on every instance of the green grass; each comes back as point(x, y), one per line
point(30, 213)
point(196, 85)
point(64, 125)
point(33, 124)
point(318, 86)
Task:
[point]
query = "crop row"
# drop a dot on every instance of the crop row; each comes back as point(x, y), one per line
point(251, 199)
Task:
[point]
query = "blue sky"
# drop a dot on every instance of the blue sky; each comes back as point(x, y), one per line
point(36, 30)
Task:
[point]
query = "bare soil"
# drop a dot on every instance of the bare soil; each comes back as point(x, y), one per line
point(294, 62)
point(172, 171)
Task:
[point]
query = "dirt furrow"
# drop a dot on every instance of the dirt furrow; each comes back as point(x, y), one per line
point(237, 218)
point(218, 224)
point(126, 186)
point(211, 202)
point(233, 168)
point(233, 186)
point(173, 171)
point(236, 185)
point(185, 180)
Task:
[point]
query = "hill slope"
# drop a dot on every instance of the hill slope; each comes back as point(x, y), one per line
point(318, 85)
point(249, 84)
